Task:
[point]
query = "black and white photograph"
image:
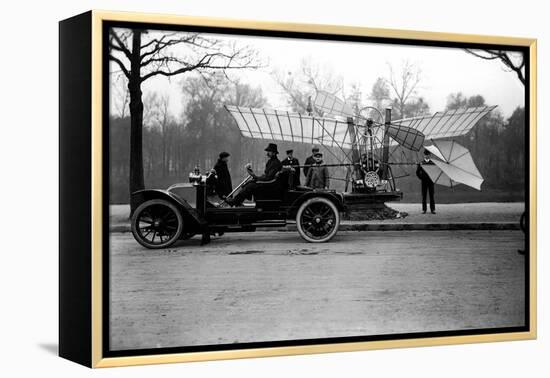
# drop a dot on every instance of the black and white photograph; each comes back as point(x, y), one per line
point(270, 188)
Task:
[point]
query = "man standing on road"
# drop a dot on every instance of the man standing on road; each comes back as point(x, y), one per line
point(427, 183)
point(310, 160)
point(290, 160)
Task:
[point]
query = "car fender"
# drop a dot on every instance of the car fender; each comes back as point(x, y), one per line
point(189, 214)
point(336, 198)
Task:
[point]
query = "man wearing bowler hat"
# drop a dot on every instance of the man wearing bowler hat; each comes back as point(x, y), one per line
point(263, 182)
point(427, 183)
point(291, 161)
point(317, 176)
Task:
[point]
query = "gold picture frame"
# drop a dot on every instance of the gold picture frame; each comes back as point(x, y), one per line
point(93, 327)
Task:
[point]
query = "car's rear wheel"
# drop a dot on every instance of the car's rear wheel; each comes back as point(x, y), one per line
point(157, 224)
point(318, 220)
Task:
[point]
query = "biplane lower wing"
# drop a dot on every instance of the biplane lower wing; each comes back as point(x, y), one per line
point(407, 137)
point(280, 125)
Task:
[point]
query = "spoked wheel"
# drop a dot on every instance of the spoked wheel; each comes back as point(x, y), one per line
point(157, 224)
point(318, 220)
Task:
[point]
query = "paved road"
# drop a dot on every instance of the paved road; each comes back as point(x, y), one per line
point(272, 286)
point(446, 213)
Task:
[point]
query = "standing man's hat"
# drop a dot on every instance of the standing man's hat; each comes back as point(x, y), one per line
point(318, 154)
point(272, 147)
point(289, 151)
point(426, 152)
point(315, 149)
point(224, 154)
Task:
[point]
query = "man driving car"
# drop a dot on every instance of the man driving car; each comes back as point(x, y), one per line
point(267, 181)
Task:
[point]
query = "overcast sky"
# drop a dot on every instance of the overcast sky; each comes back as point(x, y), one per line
point(444, 70)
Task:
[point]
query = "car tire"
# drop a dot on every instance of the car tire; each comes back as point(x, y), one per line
point(318, 220)
point(155, 220)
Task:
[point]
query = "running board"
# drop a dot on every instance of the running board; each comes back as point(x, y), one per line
point(234, 226)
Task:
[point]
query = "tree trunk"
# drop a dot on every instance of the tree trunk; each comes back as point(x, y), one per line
point(137, 181)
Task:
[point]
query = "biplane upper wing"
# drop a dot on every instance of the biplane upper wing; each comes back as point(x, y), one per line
point(446, 124)
point(286, 126)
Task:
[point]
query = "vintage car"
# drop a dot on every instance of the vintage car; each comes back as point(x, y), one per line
point(165, 216)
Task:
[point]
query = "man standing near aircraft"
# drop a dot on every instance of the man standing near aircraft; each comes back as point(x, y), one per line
point(317, 176)
point(290, 160)
point(427, 183)
point(310, 160)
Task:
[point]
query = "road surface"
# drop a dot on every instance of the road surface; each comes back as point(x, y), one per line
point(267, 286)
point(446, 213)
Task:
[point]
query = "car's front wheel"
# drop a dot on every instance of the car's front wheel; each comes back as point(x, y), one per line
point(157, 224)
point(318, 220)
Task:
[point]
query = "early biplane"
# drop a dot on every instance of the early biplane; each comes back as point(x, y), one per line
point(355, 140)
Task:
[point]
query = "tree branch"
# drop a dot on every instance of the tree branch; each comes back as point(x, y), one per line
point(206, 62)
point(162, 43)
point(504, 57)
point(120, 64)
point(121, 46)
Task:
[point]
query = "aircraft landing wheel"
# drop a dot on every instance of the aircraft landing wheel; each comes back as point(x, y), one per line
point(317, 220)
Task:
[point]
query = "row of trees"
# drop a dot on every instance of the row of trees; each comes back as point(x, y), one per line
point(141, 55)
point(497, 144)
point(152, 147)
point(173, 146)
point(398, 89)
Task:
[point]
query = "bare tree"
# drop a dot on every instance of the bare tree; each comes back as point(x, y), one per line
point(355, 97)
point(513, 61)
point(121, 95)
point(142, 54)
point(380, 93)
point(302, 84)
point(456, 101)
point(404, 83)
point(158, 113)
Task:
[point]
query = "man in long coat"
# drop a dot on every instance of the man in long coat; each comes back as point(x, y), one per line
point(310, 160)
point(427, 183)
point(222, 184)
point(267, 181)
point(317, 176)
point(290, 160)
